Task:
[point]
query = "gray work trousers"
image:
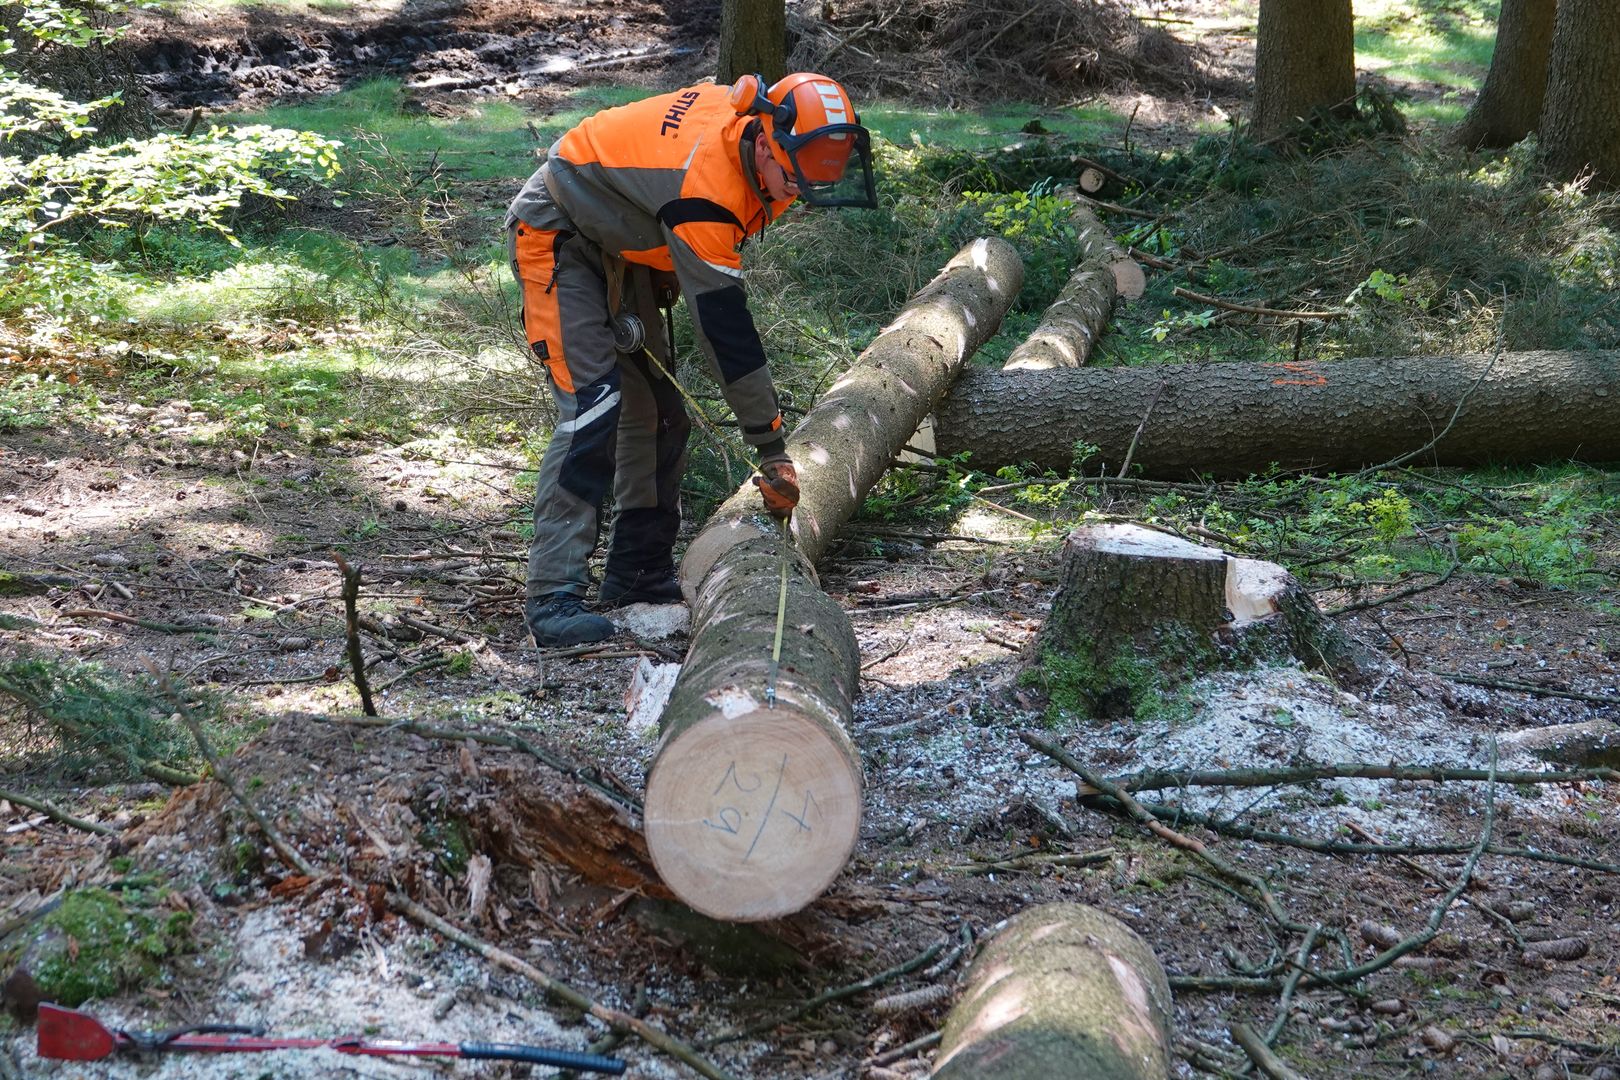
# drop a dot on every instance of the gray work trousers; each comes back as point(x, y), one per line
point(620, 422)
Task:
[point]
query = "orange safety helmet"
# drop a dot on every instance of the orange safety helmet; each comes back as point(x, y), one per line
point(814, 134)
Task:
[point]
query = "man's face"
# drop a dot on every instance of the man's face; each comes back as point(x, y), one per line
point(773, 178)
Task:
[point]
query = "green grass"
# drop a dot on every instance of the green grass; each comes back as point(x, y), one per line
point(988, 128)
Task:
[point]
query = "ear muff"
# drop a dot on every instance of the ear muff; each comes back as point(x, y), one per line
point(748, 96)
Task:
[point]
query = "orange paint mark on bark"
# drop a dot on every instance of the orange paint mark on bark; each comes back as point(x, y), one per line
point(1304, 368)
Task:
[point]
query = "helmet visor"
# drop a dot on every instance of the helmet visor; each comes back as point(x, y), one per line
point(832, 165)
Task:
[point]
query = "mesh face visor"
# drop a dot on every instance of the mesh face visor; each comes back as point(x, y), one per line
point(832, 165)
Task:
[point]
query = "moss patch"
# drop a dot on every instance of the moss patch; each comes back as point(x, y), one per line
point(94, 945)
point(1148, 682)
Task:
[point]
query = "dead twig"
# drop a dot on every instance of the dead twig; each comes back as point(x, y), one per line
point(357, 658)
point(1434, 879)
point(1261, 1054)
point(56, 813)
point(836, 994)
point(130, 620)
point(1254, 309)
point(1130, 451)
point(1526, 688)
point(1398, 594)
point(903, 1051)
point(1161, 779)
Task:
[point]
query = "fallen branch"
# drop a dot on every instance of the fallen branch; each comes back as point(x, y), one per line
point(1434, 879)
point(1526, 688)
point(1253, 309)
point(1031, 862)
point(130, 620)
point(357, 658)
point(829, 996)
point(1398, 594)
point(1261, 1054)
point(1351, 770)
point(1152, 824)
point(414, 669)
point(57, 814)
point(905, 1050)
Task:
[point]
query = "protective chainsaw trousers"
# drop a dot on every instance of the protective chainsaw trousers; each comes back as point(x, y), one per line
point(620, 423)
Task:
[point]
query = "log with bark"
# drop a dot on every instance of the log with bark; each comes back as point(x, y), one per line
point(1136, 602)
point(1232, 420)
point(1062, 990)
point(1069, 328)
point(752, 808)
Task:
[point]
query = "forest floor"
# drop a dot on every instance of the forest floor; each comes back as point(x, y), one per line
point(171, 541)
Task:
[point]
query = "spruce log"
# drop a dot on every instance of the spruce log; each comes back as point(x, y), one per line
point(1062, 990)
point(848, 440)
point(1231, 420)
point(753, 809)
point(1069, 328)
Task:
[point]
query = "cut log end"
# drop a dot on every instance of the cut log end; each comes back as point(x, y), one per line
point(751, 816)
point(1130, 280)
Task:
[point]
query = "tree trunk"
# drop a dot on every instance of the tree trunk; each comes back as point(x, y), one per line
point(1231, 420)
point(753, 808)
point(1509, 104)
point(1580, 120)
point(753, 40)
point(1304, 63)
point(851, 436)
point(1062, 990)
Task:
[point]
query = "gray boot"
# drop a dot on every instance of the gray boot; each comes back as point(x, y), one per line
point(561, 619)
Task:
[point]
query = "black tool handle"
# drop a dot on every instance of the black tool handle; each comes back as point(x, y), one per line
point(535, 1055)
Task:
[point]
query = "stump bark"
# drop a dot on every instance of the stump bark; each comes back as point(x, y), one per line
point(1232, 420)
point(752, 808)
point(1062, 990)
point(1172, 607)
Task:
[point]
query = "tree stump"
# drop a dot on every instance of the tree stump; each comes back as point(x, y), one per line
point(1139, 609)
point(1061, 990)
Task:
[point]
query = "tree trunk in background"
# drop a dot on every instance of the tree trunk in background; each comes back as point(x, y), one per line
point(1580, 120)
point(1509, 104)
point(1061, 991)
point(1236, 419)
point(753, 40)
point(1305, 61)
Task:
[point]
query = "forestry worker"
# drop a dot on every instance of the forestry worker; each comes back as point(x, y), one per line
point(632, 207)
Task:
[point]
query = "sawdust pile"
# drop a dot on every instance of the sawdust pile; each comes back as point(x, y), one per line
point(966, 51)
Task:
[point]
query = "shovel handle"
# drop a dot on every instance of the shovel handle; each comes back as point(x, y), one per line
point(535, 1055)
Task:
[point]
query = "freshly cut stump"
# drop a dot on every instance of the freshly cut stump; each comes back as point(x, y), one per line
point(1125, 585)
point(1061, 991)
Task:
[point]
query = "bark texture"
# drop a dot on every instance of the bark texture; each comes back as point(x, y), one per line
point(1509, 104)
point(1230, 420)
point(847, 441)
point(1062, 990)
point(753, 808)
point(1580, 120)
point(1304, 62)
point(753, 40)
point(1069, 328)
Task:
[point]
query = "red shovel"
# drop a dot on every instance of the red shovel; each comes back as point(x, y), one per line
point(70, 1035)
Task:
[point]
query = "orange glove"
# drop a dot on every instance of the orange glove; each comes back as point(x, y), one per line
point(778, 485)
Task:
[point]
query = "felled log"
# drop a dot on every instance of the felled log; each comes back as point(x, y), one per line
point(752, 808)
point(1070, 326)
point(1062, 990)
point(1232, 420)
point(1158, 599)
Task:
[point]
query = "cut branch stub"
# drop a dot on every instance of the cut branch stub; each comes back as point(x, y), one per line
point(753, 810)
point(1062, 990)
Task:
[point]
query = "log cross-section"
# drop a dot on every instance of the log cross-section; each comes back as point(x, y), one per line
point(753, 808)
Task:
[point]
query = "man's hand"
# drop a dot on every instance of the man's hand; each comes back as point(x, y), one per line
point(778, 485)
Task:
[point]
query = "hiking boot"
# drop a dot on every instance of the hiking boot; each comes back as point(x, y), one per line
point(659, 586)
point(561, 619)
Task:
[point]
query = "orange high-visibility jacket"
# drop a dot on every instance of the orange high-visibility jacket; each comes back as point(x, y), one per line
point(668, 182)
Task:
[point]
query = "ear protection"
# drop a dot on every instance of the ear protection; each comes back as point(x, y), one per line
point(748, 96)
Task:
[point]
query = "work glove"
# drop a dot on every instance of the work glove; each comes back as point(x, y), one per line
point(778, 483)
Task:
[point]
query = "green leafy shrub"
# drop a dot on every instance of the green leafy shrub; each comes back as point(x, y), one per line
point(52, 200)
